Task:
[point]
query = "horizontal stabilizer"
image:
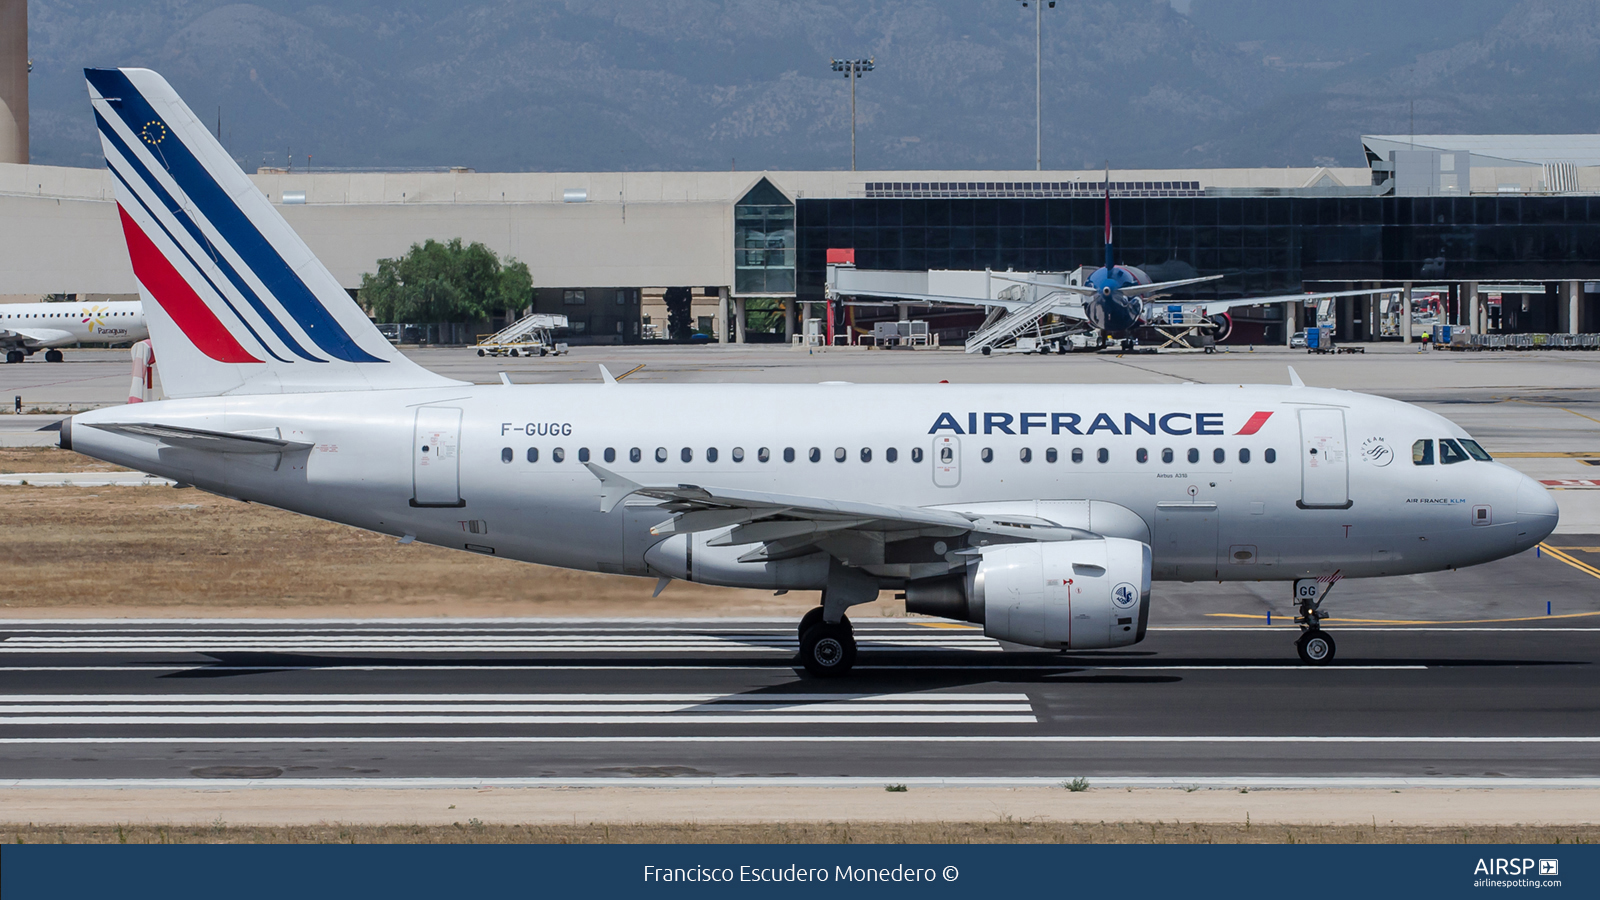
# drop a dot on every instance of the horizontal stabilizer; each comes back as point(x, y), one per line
point(200, 439)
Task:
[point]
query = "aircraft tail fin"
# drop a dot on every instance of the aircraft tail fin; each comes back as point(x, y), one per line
point(1111, 260)
point(236, 302)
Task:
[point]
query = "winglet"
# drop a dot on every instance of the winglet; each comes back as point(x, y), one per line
point(605, 373)
point(613, 487)
point(1294, 378)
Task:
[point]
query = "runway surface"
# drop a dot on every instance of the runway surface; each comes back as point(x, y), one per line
point(721, 699)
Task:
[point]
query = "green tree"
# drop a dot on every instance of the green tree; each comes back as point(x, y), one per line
point(446, 282)
point(679, 301)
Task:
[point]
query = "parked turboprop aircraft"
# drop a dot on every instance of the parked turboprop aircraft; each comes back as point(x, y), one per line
point(29, 327)
point(1042, 513)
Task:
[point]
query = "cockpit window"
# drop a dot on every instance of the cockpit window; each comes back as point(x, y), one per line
point(1422, 453)
point(1450, 452)
point(1475, 451)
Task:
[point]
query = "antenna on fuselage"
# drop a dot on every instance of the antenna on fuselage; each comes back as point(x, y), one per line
point(1294, 378)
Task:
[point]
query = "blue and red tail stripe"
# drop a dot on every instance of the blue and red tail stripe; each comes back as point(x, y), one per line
point(173, 292)
point(224, 216)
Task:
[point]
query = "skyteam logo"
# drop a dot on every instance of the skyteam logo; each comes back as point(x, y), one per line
point(204, 243)
point(1175, 423)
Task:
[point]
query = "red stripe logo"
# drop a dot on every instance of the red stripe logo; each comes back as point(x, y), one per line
point(1254, 425)
point(179, 300)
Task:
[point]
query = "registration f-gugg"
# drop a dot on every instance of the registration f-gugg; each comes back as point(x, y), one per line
point(1043, 512)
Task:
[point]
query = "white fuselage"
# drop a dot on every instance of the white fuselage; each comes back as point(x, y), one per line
point(377, 454)
point(34, 326)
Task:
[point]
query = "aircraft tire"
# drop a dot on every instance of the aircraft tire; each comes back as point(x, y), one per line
point(1316, 648)
point(14, 356)
point(814, 616)
point(828, 651)
point(53, 356)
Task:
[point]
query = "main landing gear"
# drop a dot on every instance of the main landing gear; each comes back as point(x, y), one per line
point(1315, 646)
point(826, 649)
point(53, 356)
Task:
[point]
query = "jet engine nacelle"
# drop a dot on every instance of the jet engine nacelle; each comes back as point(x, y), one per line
point(1078, 595)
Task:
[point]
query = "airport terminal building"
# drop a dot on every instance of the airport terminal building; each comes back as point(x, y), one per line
point(1507, 227)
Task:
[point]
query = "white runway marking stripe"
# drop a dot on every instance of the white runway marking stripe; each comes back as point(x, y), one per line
point(513, 709)
point(821, 739)
point(487, 642)
point(1265, 782)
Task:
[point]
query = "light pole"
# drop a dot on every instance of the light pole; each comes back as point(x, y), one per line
point(852, 69)
point(1038, 80)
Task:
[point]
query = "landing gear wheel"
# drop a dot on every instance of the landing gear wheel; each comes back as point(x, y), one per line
point(814, 617)
point(52, 356)
point(828, 650)
point(1316, 648)
point(1127, 346)
point(14, 356)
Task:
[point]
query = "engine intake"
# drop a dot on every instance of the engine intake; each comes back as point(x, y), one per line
point(1080, 595)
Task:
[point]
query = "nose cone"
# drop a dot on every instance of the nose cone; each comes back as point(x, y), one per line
point(1537, 513)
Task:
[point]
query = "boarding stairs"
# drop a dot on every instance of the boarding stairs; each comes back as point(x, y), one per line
point(529, 333)
point(1007, 327)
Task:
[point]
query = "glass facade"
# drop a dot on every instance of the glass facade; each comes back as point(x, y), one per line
point(763, 242)
point(1261, 244)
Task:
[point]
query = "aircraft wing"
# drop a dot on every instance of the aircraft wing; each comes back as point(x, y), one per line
point(201, 439)
point(1142, 289)
point(1213, 306)
point(787, 524)
point(1073, 311)
point(35, 336)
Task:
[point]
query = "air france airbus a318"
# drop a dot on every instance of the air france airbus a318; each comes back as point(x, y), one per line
point(1043, 512)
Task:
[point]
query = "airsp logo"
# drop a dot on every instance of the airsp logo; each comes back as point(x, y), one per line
point(1124, 596)
point(1375, 451)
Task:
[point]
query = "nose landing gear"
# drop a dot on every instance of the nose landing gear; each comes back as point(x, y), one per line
point(1315, 646)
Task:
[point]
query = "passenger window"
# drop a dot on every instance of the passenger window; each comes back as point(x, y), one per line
point(1194, 454)
point(558, 455)
point(1142, 455)
point(916, 454)
point(763, 455)
point(1450, 452)
point(1244, 454)
point(661, 454)
point(686, 455)
point(1077, 454)
point(840, 454)
point(815, 455)
point(1422, 453)
point(711, 454)
point(1166, 455)
point(987, 455)
point(1270, 455)
point(1050, 455)
point(1219, 456)
point(1103, 455)
point(611, 454)
point(1026, 455)
point(1475, 451)
point(506, 455)
point(738, 454)
point(635, 455)
point(891, 455)
point(946, 455)
point(866, 454)
point(788, 454)
point(533, 454)
point(583, 454)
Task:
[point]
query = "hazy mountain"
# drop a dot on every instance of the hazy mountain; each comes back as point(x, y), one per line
point(708, 84)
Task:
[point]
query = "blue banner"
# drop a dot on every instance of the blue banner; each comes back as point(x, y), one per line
point(313, 872)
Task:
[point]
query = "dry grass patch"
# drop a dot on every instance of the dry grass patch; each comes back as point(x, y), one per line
point(1000, 832)
point(152, 551)
point(50, 459)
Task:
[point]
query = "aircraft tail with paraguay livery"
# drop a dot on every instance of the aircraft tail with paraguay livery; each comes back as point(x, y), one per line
point(1042, 513)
